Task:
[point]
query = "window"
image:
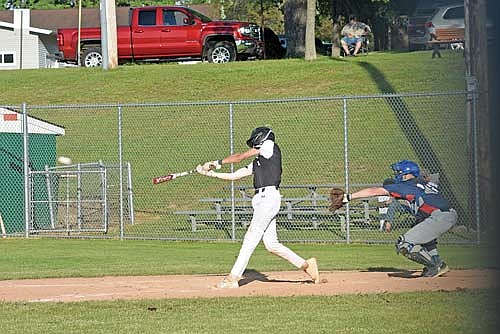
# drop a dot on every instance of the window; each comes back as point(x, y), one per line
point(168, 18)
point(7, 58)
point(147, 17)
point(174, 18)
point(454, 13)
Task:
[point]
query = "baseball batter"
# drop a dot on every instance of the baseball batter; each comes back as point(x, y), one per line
point(266, 169)
point(432, 212)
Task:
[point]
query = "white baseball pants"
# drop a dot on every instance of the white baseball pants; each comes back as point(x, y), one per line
point(266, 205)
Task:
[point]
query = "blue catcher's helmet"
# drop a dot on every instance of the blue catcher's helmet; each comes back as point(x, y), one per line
point(405, 167)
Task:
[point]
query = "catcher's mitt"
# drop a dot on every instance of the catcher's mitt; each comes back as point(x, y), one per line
point(336, 199)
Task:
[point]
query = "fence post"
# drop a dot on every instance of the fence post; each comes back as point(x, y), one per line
point(472, 97)
point(79, 196)
point(49, 196)
point(27, 208)
point(231, 149)
point(120, 159)
point(346, 170)
point(130, 194)
point(104, 195)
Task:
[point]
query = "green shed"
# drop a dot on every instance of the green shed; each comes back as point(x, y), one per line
point(42, 152)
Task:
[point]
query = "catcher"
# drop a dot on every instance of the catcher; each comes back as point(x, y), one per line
point(432, 212)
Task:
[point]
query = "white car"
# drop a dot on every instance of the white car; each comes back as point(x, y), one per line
point(434, 15)
point(449, 17)
point(446, 17)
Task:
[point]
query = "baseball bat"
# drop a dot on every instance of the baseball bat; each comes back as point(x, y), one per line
point(169, 177)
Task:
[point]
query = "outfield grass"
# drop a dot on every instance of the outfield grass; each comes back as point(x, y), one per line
point(417, 312)
point(44, 258)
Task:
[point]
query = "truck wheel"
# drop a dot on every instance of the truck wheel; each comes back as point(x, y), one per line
point(221, 52)
point(92, 57)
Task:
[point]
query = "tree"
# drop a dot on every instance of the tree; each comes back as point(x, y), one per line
point(271, 15)
point(295, 22)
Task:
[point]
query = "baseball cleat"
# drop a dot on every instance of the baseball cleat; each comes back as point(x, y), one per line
point(442, 269)
point(312, 269)
point(229, 282)
point(436, 271)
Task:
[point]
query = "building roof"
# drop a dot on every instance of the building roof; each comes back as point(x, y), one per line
point(53, 19)
point(31, 29)
point(11, 121)
point(15, 21)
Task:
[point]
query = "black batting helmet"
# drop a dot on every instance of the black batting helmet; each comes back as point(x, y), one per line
point(260, 135)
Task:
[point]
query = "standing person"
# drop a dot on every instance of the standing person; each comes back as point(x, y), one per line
point(353, 34)
point(266, 168)
point(433, 214)
point(435, 45)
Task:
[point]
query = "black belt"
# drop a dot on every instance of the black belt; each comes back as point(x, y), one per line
point(261, 190)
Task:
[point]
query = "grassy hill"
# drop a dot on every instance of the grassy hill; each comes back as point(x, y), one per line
point(373, 74)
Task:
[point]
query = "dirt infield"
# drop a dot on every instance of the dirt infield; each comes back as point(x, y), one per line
point(283, 283)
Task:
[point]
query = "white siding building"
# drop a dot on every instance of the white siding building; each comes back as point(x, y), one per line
point(23, 46)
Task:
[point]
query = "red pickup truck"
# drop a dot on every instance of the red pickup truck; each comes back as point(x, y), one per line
point(166, 32)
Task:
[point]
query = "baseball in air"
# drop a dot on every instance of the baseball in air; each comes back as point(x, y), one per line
point(64, 160)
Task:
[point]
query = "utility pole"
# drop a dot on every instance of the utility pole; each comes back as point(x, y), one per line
point(262, 24)
point(108, 34)
point(310, 43)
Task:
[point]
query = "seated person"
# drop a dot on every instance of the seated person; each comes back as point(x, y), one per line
point(353, 33)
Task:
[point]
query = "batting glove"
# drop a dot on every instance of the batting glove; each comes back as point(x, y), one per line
point(202, 171)
point(216, 164)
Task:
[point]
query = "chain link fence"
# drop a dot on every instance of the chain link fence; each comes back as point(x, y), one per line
point(116, 151)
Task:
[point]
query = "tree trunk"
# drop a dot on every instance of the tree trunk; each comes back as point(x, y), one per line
point(336, 37)
point(476, 65)
point(295, 27)
point(336, 18)
point(310, 53)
